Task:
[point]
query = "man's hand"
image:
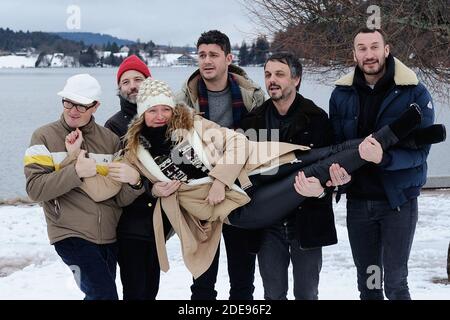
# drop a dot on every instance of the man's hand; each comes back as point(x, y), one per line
point(370, 150)
point(217, 193)
point(165, 189)
point(307, 187)
point(338, 176)
point(73, 141)
point(85, 167)
point(122, 172)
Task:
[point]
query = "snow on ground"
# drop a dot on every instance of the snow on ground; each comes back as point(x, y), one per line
point(17, 62)
point(30, 269)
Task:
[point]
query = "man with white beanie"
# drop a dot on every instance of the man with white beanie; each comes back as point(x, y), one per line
point(63, 155)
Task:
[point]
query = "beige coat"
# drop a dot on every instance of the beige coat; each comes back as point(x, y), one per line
point(229, 156)
point(51, 179)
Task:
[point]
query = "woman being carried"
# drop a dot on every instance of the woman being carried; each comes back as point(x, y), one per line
point(168, 142)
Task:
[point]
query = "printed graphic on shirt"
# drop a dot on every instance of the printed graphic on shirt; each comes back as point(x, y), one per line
point(182, 164)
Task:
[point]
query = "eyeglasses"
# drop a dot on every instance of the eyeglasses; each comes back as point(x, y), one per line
point(80, 107)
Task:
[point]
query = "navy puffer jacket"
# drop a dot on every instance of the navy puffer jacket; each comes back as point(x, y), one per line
point(404, 171)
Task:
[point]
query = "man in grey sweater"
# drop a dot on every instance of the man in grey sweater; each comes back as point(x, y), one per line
point(224, 94)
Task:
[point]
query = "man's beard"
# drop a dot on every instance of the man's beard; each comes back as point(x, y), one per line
point(128, 97)
point(276, 97)
point(373, 72)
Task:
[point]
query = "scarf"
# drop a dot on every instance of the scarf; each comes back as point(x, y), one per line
point(127, 107)
point(239, 110)
point(154, 140)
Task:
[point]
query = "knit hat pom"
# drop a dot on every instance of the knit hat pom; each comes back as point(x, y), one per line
point(154, 92)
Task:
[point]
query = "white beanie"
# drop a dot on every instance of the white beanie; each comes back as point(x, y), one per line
point(154, 92)
point(81, 88)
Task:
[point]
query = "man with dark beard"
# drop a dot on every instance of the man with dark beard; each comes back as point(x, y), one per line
point(289, 117)
point(137, 258)
point(382, 196)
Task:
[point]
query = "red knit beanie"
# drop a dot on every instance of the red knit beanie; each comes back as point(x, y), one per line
point(133, 63)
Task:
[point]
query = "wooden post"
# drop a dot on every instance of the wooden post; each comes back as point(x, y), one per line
point(448, 263)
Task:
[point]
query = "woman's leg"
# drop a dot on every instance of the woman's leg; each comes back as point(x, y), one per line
point(270, 203)
point(273, 201)
point(304, 158)
point(418, 138)
point(347, 155)
point(387, 136)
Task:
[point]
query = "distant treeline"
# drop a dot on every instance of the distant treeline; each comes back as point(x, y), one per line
point(43, 43)
point(12, 41)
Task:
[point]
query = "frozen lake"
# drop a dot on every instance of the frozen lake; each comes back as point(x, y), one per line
point(29, 101)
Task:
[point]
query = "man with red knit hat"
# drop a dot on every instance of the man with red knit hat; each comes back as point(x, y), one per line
point(132, 71)
point(138, 261)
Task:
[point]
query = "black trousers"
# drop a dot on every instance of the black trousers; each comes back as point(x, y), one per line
point(241, 268)
point(273, 195)
point(139, 269)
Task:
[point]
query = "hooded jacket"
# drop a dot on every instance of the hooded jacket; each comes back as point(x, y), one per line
point(252, 94)
point(403, 171)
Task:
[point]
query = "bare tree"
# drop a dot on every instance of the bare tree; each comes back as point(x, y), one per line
point(322, 31)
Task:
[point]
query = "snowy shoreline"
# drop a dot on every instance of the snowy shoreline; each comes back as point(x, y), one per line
point(30, 269)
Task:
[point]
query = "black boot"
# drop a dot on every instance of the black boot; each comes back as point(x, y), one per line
point(350, 159)
point(400, 128)
point(407, 121)
point(418, 138)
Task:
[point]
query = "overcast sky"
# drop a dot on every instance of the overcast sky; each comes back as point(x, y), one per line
point(175, 22)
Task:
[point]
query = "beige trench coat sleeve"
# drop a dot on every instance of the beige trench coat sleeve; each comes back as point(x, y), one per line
point(228, 150)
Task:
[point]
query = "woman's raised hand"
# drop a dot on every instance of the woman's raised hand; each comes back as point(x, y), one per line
point(73, 141)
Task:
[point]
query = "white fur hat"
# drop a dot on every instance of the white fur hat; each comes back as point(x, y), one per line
point(154, 92)
point(81, 88)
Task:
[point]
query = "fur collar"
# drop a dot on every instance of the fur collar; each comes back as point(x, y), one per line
point(403, 76)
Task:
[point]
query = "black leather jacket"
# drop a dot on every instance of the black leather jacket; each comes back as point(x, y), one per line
point(136, 221)
point(312, 223)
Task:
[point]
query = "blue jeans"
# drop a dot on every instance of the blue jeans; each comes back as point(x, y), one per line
point(274, 256)
point(93, 265)
point(381, 239)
